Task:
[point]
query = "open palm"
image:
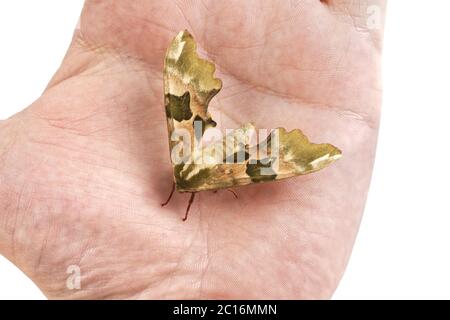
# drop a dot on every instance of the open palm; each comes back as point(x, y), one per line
point(83, 170)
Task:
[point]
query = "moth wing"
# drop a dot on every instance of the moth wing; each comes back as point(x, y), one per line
point(189, 86)
point(287, 154)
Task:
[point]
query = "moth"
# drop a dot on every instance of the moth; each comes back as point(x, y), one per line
point(237, 159)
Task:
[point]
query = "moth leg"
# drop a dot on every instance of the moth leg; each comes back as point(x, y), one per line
point(191, 199)
point(170, 196)
point(233, 192)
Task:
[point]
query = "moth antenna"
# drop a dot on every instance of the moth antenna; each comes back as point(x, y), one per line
point(170, 196)
point(233, 192)
point(191, 199)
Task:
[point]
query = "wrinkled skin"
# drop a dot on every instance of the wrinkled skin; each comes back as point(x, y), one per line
point(84, 169)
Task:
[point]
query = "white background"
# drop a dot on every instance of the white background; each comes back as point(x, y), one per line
point(402, 250)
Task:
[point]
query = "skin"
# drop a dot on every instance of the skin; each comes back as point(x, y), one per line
point(84, 169)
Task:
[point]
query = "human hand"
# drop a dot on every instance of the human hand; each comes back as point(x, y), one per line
point(84, 169)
